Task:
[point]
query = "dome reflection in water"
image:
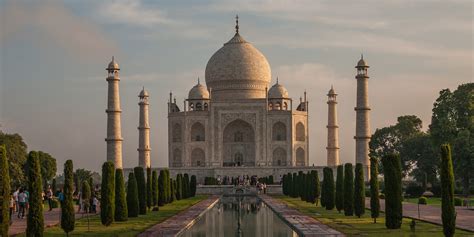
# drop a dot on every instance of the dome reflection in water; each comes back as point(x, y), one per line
point(239, 216)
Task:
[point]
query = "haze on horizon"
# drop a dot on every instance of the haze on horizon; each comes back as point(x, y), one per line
point(53, 56)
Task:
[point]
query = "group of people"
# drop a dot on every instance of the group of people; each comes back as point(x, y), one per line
point(87, 205)
point(19, 202)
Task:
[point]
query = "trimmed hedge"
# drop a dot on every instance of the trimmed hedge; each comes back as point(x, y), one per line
point(132, 196)
point(422, 201)
point(340, 188)
point(393, 191)
point(348, 190)
point(179, 186)
point(193, 185)
point(35, 218)
point(121, 209)
point(67, 206)
point(187, 191)
point(141, 184)
point(329, 199)
point(161, 189)
point(107, 197)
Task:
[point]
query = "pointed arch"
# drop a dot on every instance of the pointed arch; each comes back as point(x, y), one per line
point(279, 131)
point(300, 132)
point(300, 157)
point(279, 157)
point(198, 157)
point(176, 133)
point(198, 133)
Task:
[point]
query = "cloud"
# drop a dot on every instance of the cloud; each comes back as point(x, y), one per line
point(51, 23)
point(133, 12)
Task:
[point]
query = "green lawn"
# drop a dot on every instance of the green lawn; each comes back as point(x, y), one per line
point(435, 201)
point(364, 226)
point(132, 227)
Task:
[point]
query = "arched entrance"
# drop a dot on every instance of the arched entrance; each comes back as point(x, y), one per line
point(239, 144)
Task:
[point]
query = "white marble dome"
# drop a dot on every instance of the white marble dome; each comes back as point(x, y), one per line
point(238, 71)
point(198, 92)
point(277, 92)
point(143, 93)
point(113, 65)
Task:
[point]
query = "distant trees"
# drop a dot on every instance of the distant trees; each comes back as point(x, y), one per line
point(348, 190)
point(67, 206)
point(393, 190)
point(107, 197)
point(4, 193)
point(359, 191)
point(121, 209)
point(340, 188)
point(48, 167)
point(16, 151)
point(35, 219)
point(132, 196)
point(374, 189)
point(448, 214)
point(141, 184)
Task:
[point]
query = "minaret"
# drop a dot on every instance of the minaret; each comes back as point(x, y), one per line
point(362, 109)
point(143, 131)
point(333, 131)
point(114, 129)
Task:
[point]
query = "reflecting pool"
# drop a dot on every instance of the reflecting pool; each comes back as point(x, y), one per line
point(240, 216)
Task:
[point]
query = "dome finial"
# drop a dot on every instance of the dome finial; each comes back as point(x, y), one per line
point(199, 81)
point(362, 56)
point(277, 80)
point(236, 24)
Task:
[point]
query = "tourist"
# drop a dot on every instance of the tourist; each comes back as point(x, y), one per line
point(95, 202)
point(49, 197)
point(61, 196)
point(264, 188)
point(22, 200)
point(27, 203)
point(15, 196)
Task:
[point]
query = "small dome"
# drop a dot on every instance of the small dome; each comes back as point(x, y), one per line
point(198, 92)
point(277, 92)
point(362, 62)
point(143, 93)
point(113, 65)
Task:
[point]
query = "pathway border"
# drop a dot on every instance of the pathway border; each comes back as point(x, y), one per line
point(303, 225)
point(178, 223)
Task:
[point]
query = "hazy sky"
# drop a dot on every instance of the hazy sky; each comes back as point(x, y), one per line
point(53, 56)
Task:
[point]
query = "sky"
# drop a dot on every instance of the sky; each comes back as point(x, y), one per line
point(53, 56)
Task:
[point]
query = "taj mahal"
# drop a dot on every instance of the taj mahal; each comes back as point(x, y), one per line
point(236, 122)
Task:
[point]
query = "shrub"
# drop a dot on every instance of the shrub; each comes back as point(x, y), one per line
point(35, 219)
point(161, 188)
point(154, 190)
point(448, 212)
point(4, 192)
point(422, 201)
point(193, 185)
point(107, 197)
point(340, 188)
point(141, 184)
point(393, 191)
point(414, 190)
point(348, 190)
point(457, 202)
point(132, 196)
point(149, 188)
point(121, 210)
point(67, 205)
point(359, 191)
point(374, 189)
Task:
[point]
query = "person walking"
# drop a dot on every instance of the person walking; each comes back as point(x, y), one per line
point(49, 197)
point(22, 200)
point(15, 196)
point(12, 207)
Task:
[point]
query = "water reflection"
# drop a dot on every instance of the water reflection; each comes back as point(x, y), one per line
point(240, 216)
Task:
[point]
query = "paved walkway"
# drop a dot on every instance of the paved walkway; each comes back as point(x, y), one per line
point(304, 225)
point(51, 218)
point(429, 213)
point(174, 225)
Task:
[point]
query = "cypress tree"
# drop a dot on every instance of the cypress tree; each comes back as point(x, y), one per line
point(149, 188)
point(329, 186)
point(186, 186)
point(35, 219)
point(168, 186)
point(448, 212)
point(289, 182)
point(161, 188)
point(141, 184)
point(4, 192)
point(67, 206)
point(323, 190)
point(283, 185)
point(132, 196)
point(53, 187)
point(317, 187)
point(393, 190)
point(303, 187)
point(300, 184)
point(91, 183)
point(340, 188)
point(173, 190)
point(179, 187)
point(348, 190)
point(154, 191)
point(193, 185)
point(374, 189)
point(294, 186)
point(121, 208)
point(359, 191)
point(107, 197)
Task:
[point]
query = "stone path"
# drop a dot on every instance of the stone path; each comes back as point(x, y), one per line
point(429, 213)
point(304, 225)
point(177, 223)
point(51, 218)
